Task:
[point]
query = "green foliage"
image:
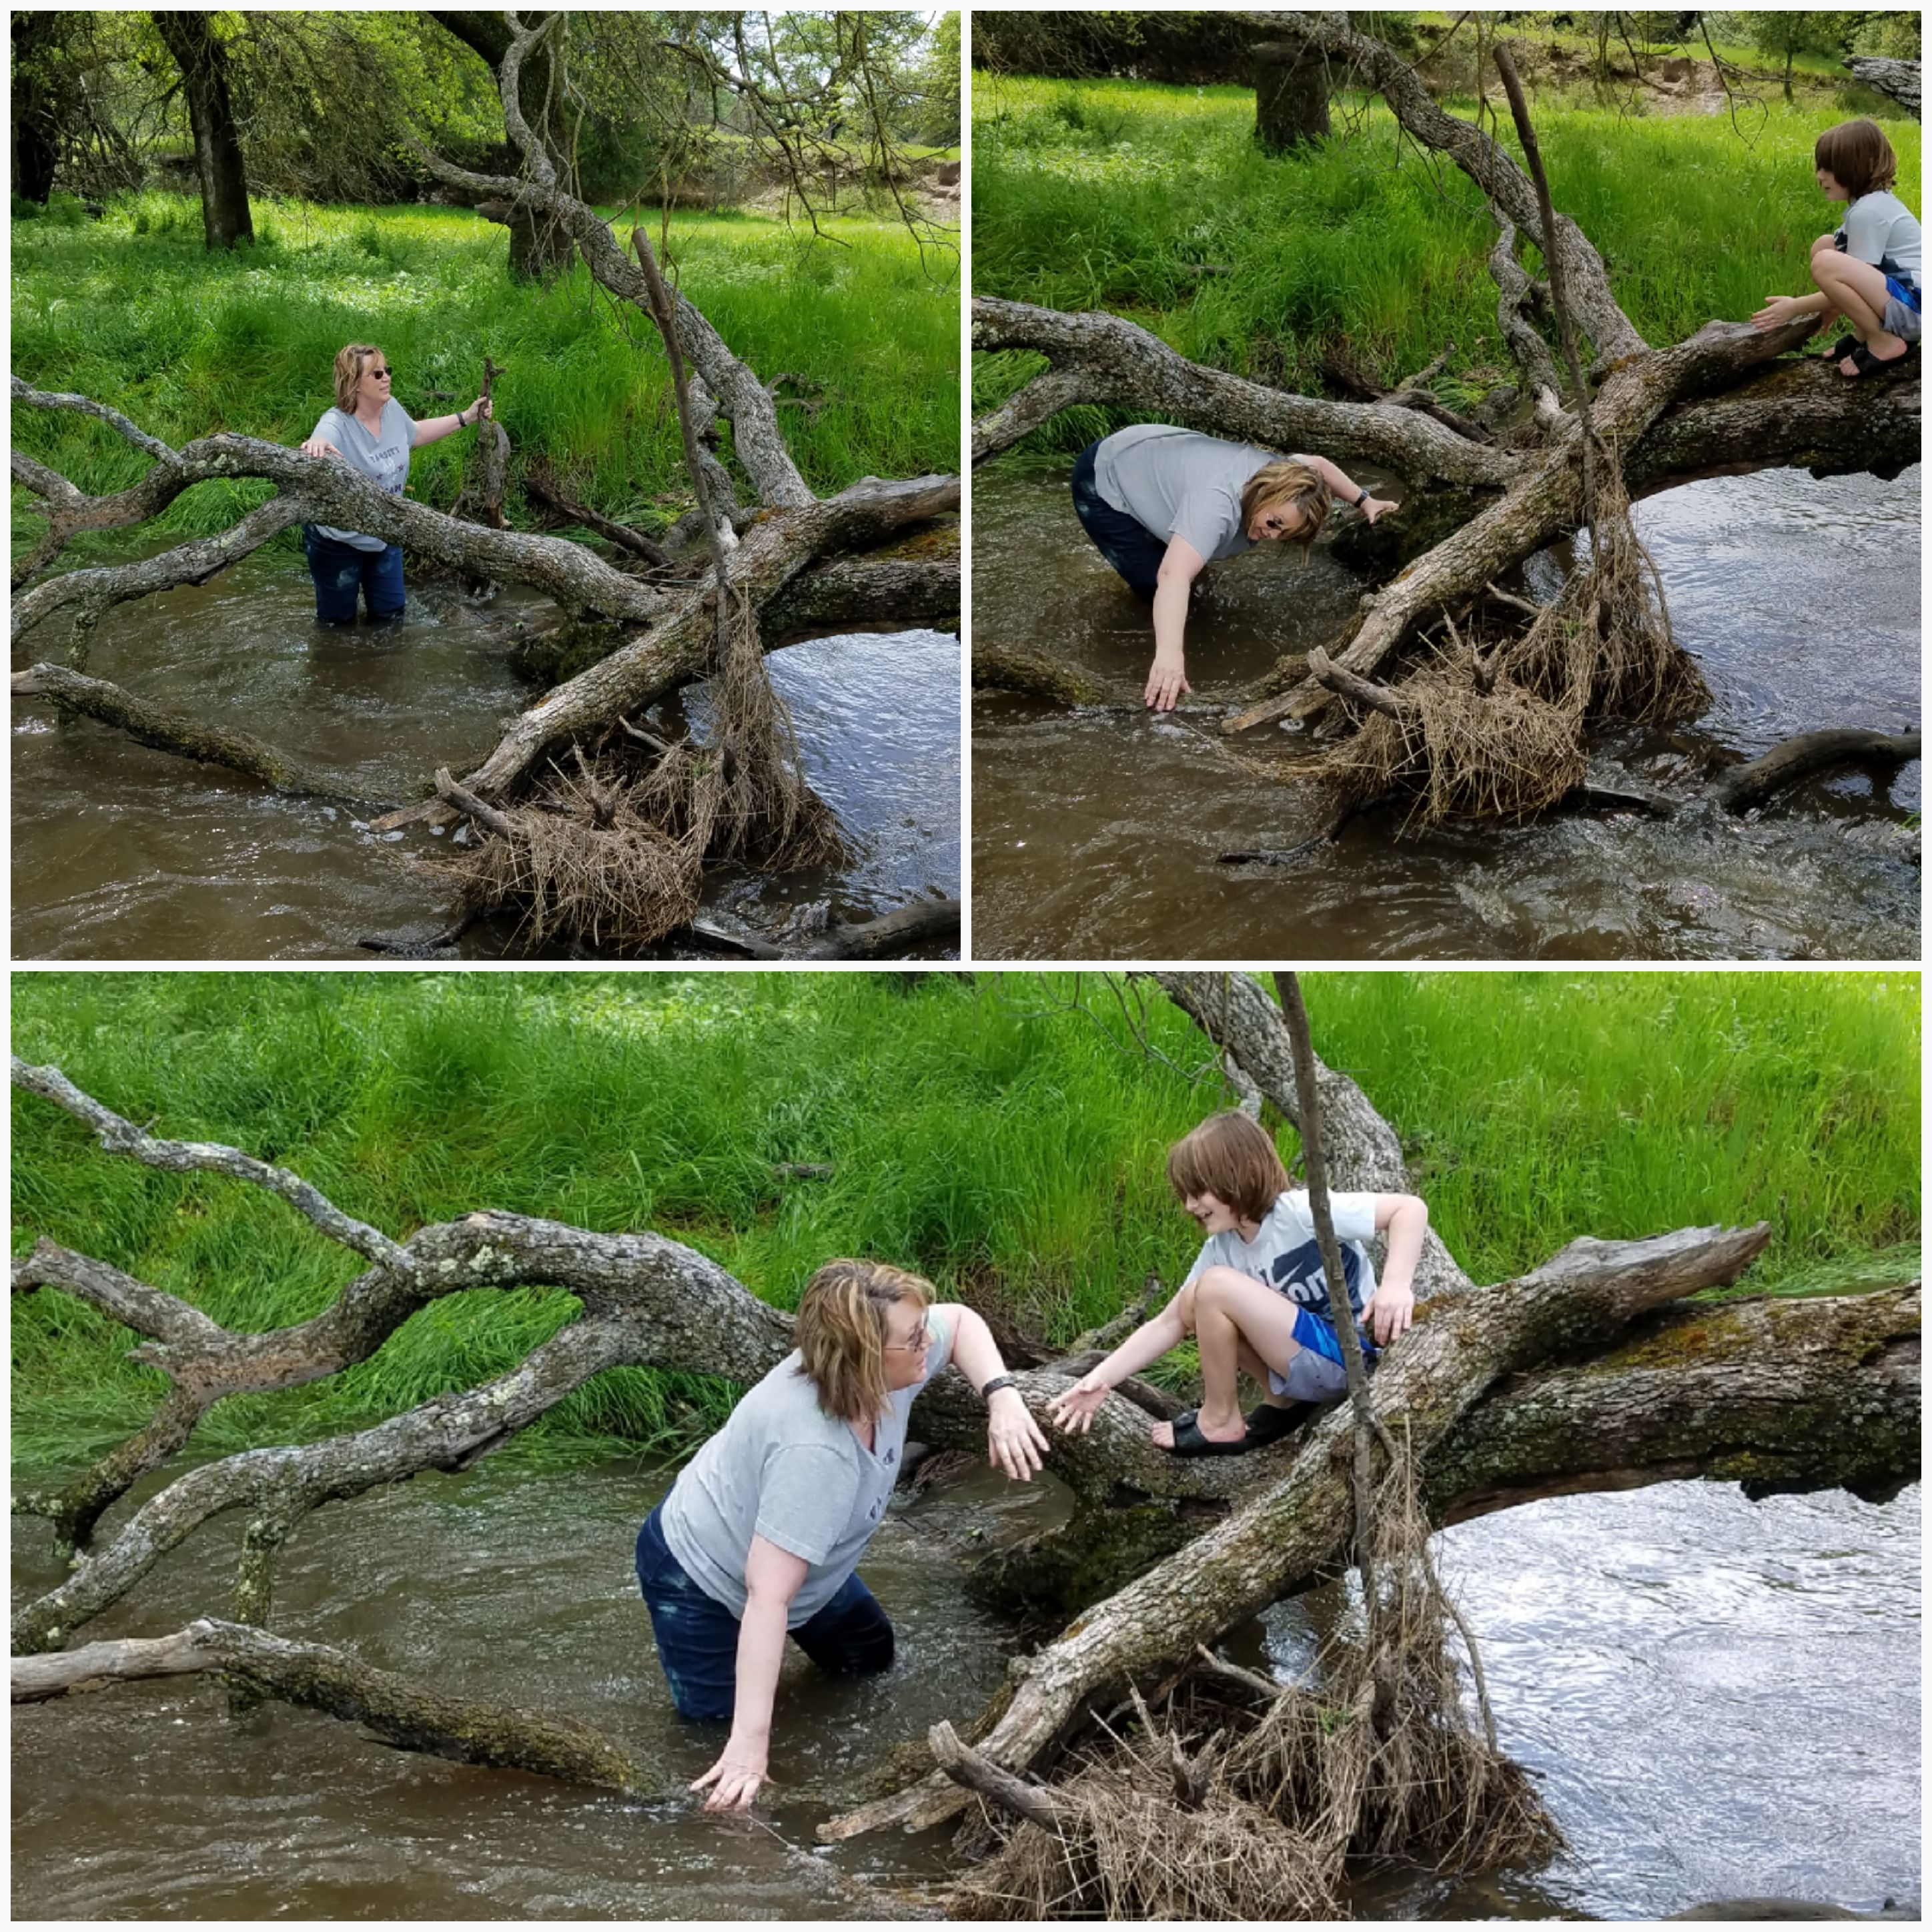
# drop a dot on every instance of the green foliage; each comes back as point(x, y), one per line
point(135, 312)
point(1000, 1137)
point(1114, 194)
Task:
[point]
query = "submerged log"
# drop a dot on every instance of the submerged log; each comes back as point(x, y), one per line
point(410, 1716)
point(1747, 785)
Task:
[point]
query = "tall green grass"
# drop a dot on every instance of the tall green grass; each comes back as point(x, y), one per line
point(1108, 194)
point(133, 311)
point(998, 1136)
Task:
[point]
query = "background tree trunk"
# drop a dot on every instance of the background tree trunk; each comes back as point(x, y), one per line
point(1291, 95)
point(539, 247)
point(35, 148)
point(218, 148)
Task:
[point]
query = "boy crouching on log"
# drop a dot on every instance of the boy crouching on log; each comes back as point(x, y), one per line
point(1868, 270)
point(1257, 1297)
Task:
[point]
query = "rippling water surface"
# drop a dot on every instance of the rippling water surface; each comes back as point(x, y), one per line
point(1097, 834)
point(1718, 1698)
point(124, 853)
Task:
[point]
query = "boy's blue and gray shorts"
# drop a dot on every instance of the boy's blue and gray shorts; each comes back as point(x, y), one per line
point(1901, 310)
point(698, 1636)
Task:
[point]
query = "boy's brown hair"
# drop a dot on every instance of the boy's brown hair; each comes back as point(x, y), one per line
point(841, 1333)
point(1232, 1158)
point(1857, 156)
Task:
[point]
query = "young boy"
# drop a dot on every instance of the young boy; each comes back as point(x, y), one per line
point(1257, 1297)
point(1868, 270)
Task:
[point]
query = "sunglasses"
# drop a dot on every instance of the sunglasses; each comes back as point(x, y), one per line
point(381, 375)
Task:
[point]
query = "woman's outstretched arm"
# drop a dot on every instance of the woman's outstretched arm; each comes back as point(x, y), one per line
point(433, 429)
point(1345, 489)
point(1013, 1440)
point(772, 1577)
point(1167, 682)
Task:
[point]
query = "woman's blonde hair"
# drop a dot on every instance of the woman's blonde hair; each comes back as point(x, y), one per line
point(1857, 156)
point(350, 363)
point(841, 1333)
point(1232, 1158)
point(1287, 484)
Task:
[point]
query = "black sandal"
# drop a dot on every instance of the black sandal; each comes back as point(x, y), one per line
point(1268, 1422)
point(1867, 364)
point(1188, 1441)
point(1843, 347)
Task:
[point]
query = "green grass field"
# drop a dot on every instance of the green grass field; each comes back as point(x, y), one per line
point(993, 1135)
point(1109, 194)
point(133, 311)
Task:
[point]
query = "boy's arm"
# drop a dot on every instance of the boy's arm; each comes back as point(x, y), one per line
point(1403, 1219)
point(1074, 1409)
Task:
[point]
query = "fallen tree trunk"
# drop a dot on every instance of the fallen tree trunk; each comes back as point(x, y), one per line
point(410, 1716)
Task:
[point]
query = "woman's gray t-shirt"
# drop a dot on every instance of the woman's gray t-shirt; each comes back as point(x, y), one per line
point(384, 458)
point(783, 1469)
point(1179, 483)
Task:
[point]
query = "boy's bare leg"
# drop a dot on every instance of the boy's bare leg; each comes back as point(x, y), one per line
point(1857, 291)
point(1231, 1308)
point(1256, 1370)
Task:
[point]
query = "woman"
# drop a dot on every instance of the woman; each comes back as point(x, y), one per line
point(1161, 504)
point(761, 1534)
point(371, 432)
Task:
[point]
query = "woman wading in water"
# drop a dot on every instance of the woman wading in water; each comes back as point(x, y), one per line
point(1161, 504)
point(761, 1536)
point(371, 432)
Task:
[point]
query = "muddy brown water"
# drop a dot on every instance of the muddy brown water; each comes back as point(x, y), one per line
point(124, 853)
point(1096, 835)
point(1720, 1699)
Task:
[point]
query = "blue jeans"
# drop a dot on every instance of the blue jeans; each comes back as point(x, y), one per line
point(698, 1636)
point(1127, 544)
point(341, 570)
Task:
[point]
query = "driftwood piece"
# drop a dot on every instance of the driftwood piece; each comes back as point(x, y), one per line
point(411, 1716)
point(1896, 80)
point(1747, 785)
point(889, 937)
point(75, 695)
point(539, 483)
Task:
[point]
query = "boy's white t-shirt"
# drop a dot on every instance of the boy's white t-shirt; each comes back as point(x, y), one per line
point(1879, 228)
point(1286, 1255)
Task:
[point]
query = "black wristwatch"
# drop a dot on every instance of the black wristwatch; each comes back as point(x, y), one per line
point(1361, 498)
point(997, 1383)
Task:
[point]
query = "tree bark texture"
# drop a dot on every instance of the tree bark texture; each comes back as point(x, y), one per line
point(190, 38)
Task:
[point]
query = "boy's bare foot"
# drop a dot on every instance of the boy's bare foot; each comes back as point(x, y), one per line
point(1881, 349)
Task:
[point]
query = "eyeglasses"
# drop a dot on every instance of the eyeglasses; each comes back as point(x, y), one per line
point(916, 1343)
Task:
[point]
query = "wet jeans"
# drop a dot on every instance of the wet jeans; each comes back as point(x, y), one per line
point(341, 570)
point(1128, 544)
point(698, 1636)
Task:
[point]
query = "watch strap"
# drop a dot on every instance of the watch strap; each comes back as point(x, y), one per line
point(998, 1383)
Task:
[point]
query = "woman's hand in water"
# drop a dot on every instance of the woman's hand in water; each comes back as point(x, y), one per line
point(736, 1778)
point(315, 446)
point(1013, 1440)
point(1074, 1409)
point(1375, 505)
point(1167, 683)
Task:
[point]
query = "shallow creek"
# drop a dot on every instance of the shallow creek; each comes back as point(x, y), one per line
point(1718, 1698)
point(124, 853)
point(1097, 834)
